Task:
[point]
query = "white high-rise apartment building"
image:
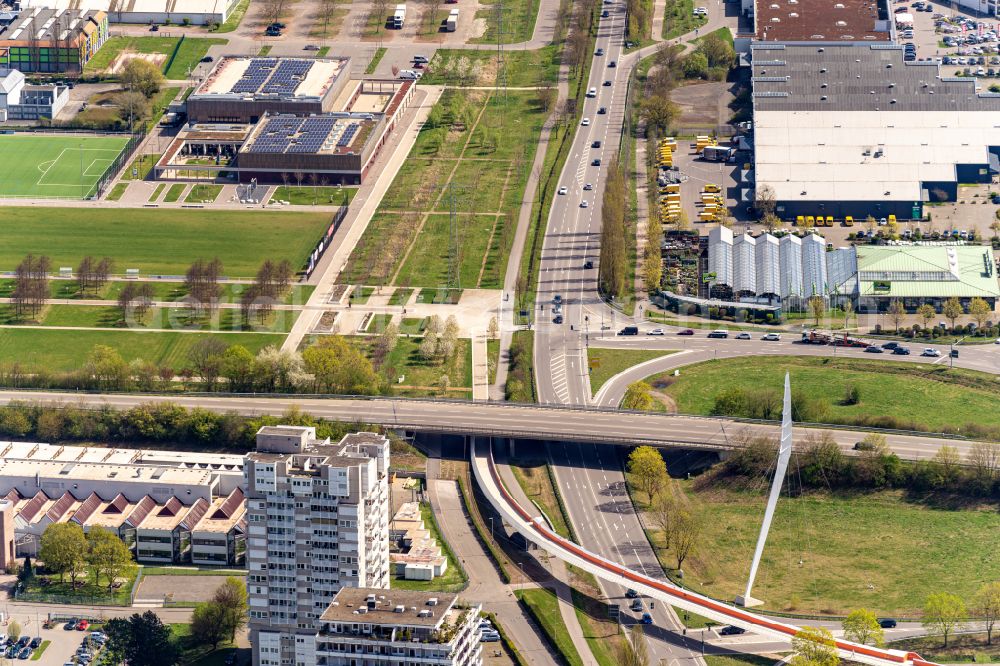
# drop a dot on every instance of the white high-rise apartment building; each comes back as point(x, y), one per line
point(317, 521)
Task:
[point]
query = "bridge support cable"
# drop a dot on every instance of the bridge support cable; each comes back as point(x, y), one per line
point(534, 529)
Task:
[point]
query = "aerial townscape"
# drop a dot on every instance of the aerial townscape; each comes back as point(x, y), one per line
point(499, 332)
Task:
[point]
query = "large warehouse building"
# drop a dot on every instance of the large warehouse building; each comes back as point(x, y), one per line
point(789, 270)
point(43, 39)
point(197, 12)
point(853, 130)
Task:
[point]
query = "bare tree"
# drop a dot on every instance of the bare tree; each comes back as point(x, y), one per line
point(31, 285)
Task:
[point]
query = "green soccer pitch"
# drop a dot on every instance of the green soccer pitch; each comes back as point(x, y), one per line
point(64, 166)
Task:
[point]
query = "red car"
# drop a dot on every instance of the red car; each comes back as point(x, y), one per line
point(82, 625)
point(686, 331)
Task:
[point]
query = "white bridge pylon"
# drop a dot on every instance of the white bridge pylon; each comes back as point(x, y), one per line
point(535, 530)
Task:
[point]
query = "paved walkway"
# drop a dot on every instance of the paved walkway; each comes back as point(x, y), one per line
point(485, 585)
point(365, 202)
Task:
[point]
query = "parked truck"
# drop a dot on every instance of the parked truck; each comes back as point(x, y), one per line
point(451, 25)
point(717, 153)
point(399, 17)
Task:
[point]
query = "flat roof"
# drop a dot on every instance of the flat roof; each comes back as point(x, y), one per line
point(350, 599)
point(929, 271)
point(272, 78)
point(842, 123)
point(85, 471)
point(321, 134)
point(819, 20)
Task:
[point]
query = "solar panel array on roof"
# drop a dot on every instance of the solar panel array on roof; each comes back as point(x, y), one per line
point(255, 75)
point(287, 77)
point(348, 135)
point(293, 135)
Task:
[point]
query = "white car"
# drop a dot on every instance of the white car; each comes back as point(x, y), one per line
point(772, 337)
point(592, 92)
point(584, 204)
point(410, 74)
point(930, 351)
point(563, 190)
point(586, 122)
point(656, 331)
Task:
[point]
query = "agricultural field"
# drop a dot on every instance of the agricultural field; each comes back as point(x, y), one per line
point(64, 166)
point(470, 164)
point(160, 242)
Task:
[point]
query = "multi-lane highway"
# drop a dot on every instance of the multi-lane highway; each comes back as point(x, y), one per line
point(573, 231)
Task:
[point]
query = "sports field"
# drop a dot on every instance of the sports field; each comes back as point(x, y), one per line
point(50, 166)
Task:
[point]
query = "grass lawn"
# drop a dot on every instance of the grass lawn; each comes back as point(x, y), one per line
point(400, 296)
point(725, 33)
point(544, 608)
point(376, 59)
point(140, 167)
point(535, 479)
point(37, 654)
point(519, 22)
point(924, 397)
point(47, 166)
point(203, 194)
point(162, 291)
point(156, 193)
point(193, 654)
point(492, 358)
point(438, 296)
point(405, 360)
point(739, 660)
point(160, 242)
point(86, 590)
point(64, 350)
point(379, 323)
point(413, 325)
point(234, 18)
point(878, 550)
point(118, 191)
point(192, 571)
point(679, 19)
point(962, 648)
point(453, 580)
point(360, 295)
point(228, 319)
point(693, 620)
point(478, 148)
point(606, 363)
point(264, 50)
point(307, 195)
point(180, 55)
point(174, 193)
point(538, 67)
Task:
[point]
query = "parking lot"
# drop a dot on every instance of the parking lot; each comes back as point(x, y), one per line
point(59, 644)
point(964, 44)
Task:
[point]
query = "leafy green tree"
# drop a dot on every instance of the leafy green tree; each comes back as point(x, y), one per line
point(695, 65)
point(107, 367)
point(685, 531)
point(952, 310)
point(926, 312)
point(718, 51)
point(814, 646)
point(231, 597)
point(339, 367)
point(943, 612)
point(817, 306)
point(13, 630)
point(208, 624)
point(108, 556)
point(979, 310)
point(62, 548)
point(141, 640)
point(239, 368)
point(141, 76)
point(637, 397)
point(986, 605)
point(632, 651)
point(861, 626)
point(646, 464)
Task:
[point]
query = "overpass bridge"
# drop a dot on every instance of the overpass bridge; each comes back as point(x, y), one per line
point(502, 420)
point(535, 529)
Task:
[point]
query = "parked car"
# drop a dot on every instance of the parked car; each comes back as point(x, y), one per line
point(208, 59)
point(82, 625)
point(490, 637)
point(25, 653)
point(35, 642)
point(70, 625)
point(732, 631)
